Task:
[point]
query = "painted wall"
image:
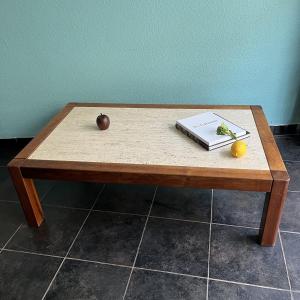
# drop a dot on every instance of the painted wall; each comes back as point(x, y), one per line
point(170, 51)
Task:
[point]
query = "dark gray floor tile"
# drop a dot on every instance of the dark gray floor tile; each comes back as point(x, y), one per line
point(296, 295)
point(290, 218)
point(236, 256)
point(182, 203)
point(294, 172)
point(7, 189)
point(238, 208)
point(109, 237)
point(175, 246)
point(72, 194)
point(54, 236)
point(84, 280)
point(289, 146)
point(291, 245)
point(11, 217)
point(230, 291)
point(157, 286)
point(25, 276)
point(124, 198)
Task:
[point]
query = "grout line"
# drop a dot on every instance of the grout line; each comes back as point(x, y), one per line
point(10, 201)
point(286, 268)
point(293, 191)
point(32, 253)
point(203, 222)
point(291, 232)
point(42, 197)
point(73, 243)
point(98, 262)
point(67, 258)
point(209, 239)
point(285, 135)
point(176, 219)
point(138, 249)
point(213, 279)
point(96, 210)
point(239, 226)
point(117, 212)
point(249, 284)
point(293, 161)
point(10, 238)
point(169, 272)
point(66, 207)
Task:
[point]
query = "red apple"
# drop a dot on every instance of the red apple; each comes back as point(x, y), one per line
point(103, 121)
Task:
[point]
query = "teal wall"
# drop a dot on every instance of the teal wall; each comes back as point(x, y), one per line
point(166, 51)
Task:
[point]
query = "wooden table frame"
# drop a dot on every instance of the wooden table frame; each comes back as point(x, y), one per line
point(273, 181)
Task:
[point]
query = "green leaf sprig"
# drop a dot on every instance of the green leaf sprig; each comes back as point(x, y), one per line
point(224, 130)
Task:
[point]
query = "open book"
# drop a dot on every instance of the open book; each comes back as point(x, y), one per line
point(202, 128)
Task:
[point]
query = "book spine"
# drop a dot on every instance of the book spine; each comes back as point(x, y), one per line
point(194, 138)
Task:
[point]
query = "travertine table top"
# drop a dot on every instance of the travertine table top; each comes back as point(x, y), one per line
point(145, 136)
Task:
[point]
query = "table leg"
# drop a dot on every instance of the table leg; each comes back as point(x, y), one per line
point(272, 212)
point(28, 196)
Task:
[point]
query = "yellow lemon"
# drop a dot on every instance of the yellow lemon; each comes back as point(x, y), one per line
point(238, 149)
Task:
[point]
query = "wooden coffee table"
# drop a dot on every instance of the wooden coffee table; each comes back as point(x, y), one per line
point(143, 146)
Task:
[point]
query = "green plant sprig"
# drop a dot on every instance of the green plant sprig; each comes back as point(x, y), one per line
point(224, 130)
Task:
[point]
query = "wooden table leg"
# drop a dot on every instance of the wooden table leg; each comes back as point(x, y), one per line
point(272, 212)
point(27, 194)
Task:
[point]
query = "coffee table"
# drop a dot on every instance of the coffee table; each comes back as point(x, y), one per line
point(142, 146)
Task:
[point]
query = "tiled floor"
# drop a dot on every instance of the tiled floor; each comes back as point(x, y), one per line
point(146, 242)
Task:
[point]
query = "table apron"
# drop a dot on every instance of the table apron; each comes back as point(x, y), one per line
point(175, 180)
